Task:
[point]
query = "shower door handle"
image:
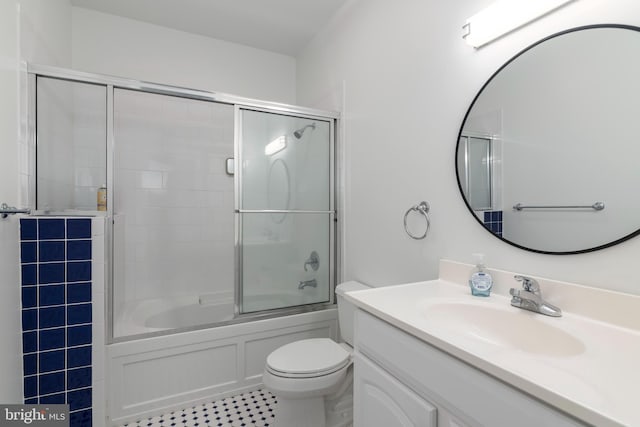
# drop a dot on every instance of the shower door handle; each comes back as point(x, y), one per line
point(230, 166)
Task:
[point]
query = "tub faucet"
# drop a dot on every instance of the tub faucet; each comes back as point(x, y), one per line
point(530, 298)
point(304, 283)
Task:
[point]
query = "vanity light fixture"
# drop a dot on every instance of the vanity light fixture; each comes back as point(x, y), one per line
point(504, 16)
point(275, 146)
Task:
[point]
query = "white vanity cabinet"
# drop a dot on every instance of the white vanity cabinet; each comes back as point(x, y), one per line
point(383, 401)
point(400, 380)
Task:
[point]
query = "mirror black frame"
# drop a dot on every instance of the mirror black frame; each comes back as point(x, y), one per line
point(458, 181)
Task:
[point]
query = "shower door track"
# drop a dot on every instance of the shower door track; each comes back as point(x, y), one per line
point(182, 92)
point(283, 211)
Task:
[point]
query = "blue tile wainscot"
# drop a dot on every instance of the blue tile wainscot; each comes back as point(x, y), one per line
point(55, 258)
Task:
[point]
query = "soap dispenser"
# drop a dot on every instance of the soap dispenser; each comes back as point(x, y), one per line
point(480, 281)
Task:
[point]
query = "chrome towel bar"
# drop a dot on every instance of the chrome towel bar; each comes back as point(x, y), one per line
point(597, 206)
point(6, 210)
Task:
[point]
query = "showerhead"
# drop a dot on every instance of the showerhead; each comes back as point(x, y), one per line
point(299, 132)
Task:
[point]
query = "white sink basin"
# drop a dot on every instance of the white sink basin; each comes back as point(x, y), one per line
point(505, 327)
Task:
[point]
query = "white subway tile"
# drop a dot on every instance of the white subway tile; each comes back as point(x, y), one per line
point(150, 180)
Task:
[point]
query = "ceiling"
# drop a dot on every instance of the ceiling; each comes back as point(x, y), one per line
point(283, 26)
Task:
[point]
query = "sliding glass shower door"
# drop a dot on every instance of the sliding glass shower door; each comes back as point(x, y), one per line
point(285, 210)
point(173, 225)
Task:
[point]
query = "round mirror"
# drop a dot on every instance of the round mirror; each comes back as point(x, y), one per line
point(548, 155)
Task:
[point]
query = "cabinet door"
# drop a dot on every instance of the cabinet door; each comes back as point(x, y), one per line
point(382, 401)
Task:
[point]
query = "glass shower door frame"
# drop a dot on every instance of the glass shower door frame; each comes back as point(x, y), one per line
point(28, 192)
point(239, 211)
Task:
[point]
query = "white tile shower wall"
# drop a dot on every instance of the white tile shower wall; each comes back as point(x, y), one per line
point(89, 145)
point(71, 123)
point(174, 203)
point(55, 144)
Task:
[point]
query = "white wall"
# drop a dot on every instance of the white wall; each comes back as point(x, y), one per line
point(406, 79)
point(34, 30)
point(10, 362)
point(44, 38)
point(108, 44)
point(9, 102)
point(45, 32)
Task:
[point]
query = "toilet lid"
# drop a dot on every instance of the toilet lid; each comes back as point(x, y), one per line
point(308, 358)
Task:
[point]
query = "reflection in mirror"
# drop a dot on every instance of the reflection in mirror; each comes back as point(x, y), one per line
point(555, 129)
point(477, 182)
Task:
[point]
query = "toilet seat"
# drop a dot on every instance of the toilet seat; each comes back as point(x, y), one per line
point(308, 358)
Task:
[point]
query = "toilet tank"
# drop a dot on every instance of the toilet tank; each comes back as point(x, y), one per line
point(346, 310)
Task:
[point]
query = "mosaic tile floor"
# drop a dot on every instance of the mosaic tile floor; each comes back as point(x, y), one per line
point(251, 409)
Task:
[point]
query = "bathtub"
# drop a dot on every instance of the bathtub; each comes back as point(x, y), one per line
point(163, 314)
point(190, 315)
point(153, 375)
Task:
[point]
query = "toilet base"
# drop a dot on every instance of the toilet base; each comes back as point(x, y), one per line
point(308, 412)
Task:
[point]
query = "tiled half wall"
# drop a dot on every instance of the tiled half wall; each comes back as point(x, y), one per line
point(57, 313)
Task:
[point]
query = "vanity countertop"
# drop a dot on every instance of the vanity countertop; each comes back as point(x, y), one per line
point(583, 366)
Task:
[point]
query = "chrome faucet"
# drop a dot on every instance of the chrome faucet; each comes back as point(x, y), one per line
point(304, 283)
point(530, 298)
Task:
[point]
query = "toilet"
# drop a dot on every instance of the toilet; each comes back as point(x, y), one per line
point(312, 379)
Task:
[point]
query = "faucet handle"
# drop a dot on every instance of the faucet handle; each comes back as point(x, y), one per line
point(313, 261)
point(529, 284)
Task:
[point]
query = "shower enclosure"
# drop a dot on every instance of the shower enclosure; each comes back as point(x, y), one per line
point(220, 209)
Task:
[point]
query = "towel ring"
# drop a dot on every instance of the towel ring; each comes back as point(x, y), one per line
point(422, 208)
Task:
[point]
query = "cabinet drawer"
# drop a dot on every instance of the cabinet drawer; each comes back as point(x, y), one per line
point(475, 397)
point(382, 401)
